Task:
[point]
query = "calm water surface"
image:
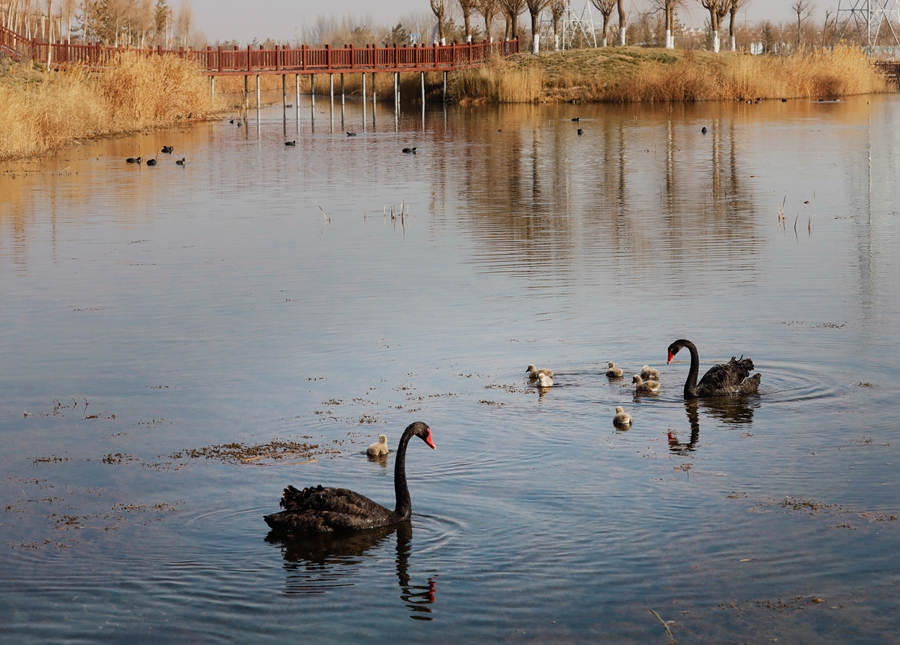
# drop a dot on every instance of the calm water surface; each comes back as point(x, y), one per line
point(151, 313)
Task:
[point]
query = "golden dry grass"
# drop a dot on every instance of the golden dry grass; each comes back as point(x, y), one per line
point(43, 111)
point(631, 74)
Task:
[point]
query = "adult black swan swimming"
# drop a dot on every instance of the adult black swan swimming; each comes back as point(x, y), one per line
point(324, 510)
point(724, 379)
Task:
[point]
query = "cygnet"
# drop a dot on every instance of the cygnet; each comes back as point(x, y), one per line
point(378, 449)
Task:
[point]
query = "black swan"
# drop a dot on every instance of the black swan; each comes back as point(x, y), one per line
point(324, 510)
point(724, 379)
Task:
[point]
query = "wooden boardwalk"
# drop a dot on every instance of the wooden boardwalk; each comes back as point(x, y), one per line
point(281, 60)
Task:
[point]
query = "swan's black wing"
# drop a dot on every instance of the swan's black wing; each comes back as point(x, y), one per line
point(323, 510)
point(729, 378)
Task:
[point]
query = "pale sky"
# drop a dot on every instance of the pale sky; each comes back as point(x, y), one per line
point(284, 19)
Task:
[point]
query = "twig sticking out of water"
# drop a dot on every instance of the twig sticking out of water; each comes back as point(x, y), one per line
point(781, 211)
point(809, 224)
point(672, 640)
point(795, 222)
point(327, 219)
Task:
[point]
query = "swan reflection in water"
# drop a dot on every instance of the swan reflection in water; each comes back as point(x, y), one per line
point(317, 562)
point(728, 409)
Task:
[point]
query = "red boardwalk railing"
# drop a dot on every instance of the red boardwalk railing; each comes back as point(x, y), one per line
point(12, 44)
point(281, 60)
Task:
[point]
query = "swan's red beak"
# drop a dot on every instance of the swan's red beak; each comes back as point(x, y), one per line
point(671, 356)
point(429, 440)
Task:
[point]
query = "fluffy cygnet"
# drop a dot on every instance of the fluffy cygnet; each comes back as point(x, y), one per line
point(544, 380)
point(613, 371)
point(649, 374)
point(622, 418)
point(534, 373)
point(644, 387)
point(378, 449)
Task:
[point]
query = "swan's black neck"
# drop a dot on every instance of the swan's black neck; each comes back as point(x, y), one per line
point(690, 385)
point(404, 503)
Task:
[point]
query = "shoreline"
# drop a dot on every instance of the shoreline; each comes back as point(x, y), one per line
point(41, 111)
point(654, 75)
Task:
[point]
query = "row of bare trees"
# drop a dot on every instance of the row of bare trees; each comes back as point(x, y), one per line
point(719, 12)
point(138, 23)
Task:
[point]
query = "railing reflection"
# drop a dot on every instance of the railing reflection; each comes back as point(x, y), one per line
point(317, 562)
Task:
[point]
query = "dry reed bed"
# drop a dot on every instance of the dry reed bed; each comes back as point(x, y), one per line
point(630, 74)
point(40, 111)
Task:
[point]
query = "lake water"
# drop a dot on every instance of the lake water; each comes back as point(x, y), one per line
point(150, 317)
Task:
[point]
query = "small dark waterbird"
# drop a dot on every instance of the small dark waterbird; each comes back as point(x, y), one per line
point(409, 151)
point(325, 510)
point(703, 130)
point(181, 161)
point(290, 143)
point(133, 160)
point(580, 132)
point(351, 134)
point(167, 150)
point(724, 379)
point(152, 162)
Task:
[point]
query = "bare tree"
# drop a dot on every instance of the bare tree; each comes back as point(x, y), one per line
point(621, 6)
point(668, 9)
point(67, 12)
point(440, 10)
point(733, 7)
point(535, 7)
point(184, 22)
point(605, 7)
point(466, 7)
point(715, 9)
point(488, 10)
point(802, 8)
point(557, 11)
point(828, 22)
point(512, 9)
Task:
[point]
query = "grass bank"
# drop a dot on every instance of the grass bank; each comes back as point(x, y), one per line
point(632, 74)
point(41, 111)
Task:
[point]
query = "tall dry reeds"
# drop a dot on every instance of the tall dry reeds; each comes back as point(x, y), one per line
point(499, 82)
point(43, 111)
point(644, 75)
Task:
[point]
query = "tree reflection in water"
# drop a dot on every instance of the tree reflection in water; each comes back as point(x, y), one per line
point(317, 562)
point(728, 409)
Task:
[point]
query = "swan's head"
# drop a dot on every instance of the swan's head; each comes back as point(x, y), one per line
point(637, 379)
point(422, 431)
point(620, 409)
point(530, 369)
point(610, 364)
point(382, 438)
point(645, 367)
point(674, 348)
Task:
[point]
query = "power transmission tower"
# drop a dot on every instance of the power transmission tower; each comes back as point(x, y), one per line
point(579, 26)
point(871, 18)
